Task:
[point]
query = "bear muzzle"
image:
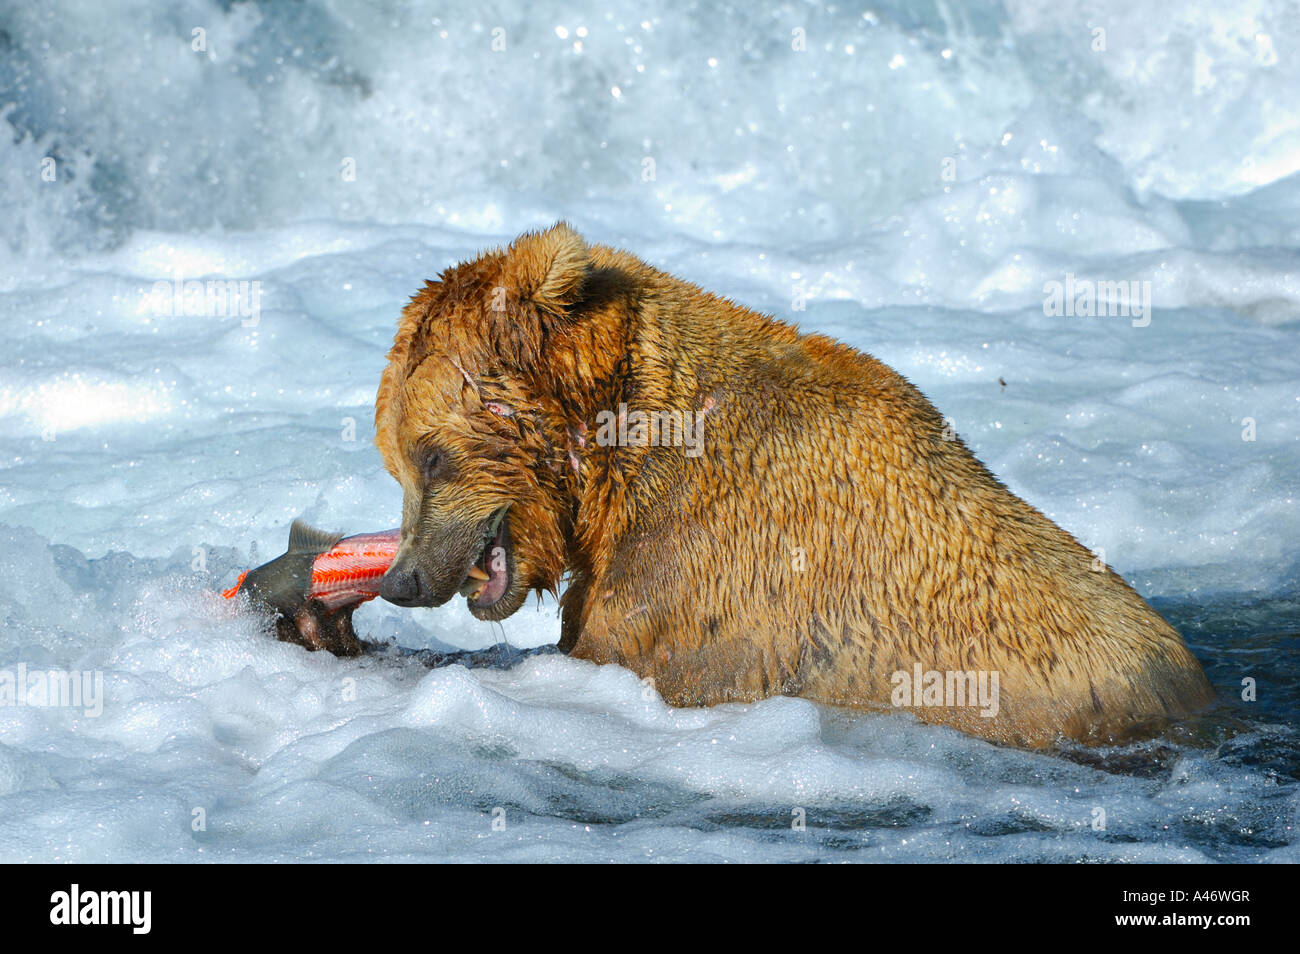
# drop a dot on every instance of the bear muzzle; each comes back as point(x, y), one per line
point(444, 558)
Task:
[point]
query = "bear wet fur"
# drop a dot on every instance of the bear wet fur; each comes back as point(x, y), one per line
point(826, 534)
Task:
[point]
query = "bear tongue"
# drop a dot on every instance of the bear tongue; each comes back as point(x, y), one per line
point(482, 586)
point(493, 589)
point(474, 580)
point(485, 590)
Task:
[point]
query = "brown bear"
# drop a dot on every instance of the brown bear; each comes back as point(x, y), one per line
point(741, 510)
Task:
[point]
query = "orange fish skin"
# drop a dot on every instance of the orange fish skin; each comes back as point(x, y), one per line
point(349, 572)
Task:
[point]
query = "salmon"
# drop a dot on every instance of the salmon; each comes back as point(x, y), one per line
point(329, 568)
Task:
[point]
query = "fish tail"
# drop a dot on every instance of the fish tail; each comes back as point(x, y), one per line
point(230, 593)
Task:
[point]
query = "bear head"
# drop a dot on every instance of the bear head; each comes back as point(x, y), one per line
point(472, 419)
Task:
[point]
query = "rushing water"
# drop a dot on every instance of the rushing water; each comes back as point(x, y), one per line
point(147, 455)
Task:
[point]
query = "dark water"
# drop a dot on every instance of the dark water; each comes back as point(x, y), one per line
point(1256, 639)
point(1223, 786)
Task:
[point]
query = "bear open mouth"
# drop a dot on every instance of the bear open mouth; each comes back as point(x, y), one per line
point(489, 577)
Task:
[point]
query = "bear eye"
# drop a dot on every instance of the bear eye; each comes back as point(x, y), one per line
point(434, 463)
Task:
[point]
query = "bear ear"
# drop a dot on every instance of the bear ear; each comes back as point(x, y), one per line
point(548, 268)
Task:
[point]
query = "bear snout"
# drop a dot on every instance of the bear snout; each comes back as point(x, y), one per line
point(436, 561)
point(402, 585)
